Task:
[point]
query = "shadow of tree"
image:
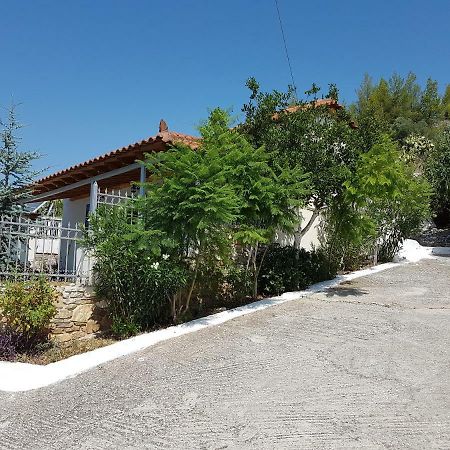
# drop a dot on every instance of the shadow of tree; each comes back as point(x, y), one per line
point(345, 291)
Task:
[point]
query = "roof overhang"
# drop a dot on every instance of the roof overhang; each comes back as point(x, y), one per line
point(113, 168)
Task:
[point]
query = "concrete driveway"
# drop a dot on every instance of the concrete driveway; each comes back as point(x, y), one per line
point(365, 365)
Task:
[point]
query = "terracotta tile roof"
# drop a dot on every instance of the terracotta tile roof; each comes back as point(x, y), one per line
point(134, 151)
point(330, 102)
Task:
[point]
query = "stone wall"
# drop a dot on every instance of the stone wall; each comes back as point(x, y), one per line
point(79, 313)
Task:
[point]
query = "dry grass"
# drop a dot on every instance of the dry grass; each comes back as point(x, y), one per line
point(57, 352)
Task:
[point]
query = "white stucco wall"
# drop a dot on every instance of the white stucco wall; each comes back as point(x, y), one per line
point(311, 238)
point(74, 214)
point(74, 211)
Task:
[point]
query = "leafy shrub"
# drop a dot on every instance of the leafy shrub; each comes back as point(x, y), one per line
point(28, 306)
point(437, 170)
point(137, 279)
point(238, 285)
point(224, 191)
point(384, 202)
point(9, 344)
point(287, 269)
point(14, 343)
point(225, 286)
point(123, 327)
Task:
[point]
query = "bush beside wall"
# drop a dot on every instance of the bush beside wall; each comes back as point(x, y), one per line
point(74, 313)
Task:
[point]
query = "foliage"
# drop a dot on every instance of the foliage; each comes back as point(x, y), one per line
point(316, 138)
point(202, 234)
point(414, 117)
point(10, 343)
point(401, 106)
point(437, 170)
point(223, 286)
point(27, 308)
point(133, 273)
point(387, 196)
point(16, 173)
point(347, 236)
point(416, 149)
point(196, 232)
point(123, 327)
point(237, 285)
point(225, 191)
point(289, 269)
point(446, 103)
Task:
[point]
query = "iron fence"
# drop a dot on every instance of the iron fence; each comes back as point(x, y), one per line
point(43, 246)
point(112, 197)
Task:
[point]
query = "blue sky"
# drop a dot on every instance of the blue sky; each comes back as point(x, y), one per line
point(95, 75)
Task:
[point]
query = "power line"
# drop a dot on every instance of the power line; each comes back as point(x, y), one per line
point(286, 49)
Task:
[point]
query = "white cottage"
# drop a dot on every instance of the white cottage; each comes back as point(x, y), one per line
point(112, 176)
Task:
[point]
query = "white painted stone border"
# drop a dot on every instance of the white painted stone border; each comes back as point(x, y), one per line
point(18, 377)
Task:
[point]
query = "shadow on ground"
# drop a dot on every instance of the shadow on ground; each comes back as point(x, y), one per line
point(345, 291)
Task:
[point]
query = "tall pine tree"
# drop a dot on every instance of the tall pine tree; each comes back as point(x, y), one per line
point(16, 173)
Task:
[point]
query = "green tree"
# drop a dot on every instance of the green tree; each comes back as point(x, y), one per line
point(399, 105)
point(437, 170)
point(446, 103)
point(201, 222)
point(318, 139)
point(16, 176)
point(387, 196)
point(16, 173)
point(430, 102)
point(224, 191)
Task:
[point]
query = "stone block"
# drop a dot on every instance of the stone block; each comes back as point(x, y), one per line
point(92, 327)
point(61, 338)
point(73, 301)
point(63, 314)
point(62, 324)
point(77, 335)
point(58, 331)
point(71, 288)
point(82, 313)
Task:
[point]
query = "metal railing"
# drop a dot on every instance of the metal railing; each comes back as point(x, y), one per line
point(42, 246)
point(113, 197)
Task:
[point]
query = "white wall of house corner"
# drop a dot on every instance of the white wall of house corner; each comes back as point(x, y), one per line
point(311, 238)
point(74, 211)
point(74, 215)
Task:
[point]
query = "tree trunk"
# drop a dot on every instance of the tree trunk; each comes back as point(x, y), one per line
point(301, 232)
point(255, 285)
point(191, 289)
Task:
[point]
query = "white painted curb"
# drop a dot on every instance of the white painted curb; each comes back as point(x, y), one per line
point(440, 251)
point(18, 377)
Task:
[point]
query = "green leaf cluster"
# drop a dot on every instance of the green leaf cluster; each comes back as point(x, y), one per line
point(387, 197)
point(16, 174)
point(28, 307)
point(437, 170)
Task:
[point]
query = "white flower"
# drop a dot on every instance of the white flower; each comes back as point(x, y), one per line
point(155, 265)
point(165, 257)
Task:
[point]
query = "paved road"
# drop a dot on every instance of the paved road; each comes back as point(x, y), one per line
point(363, 366)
